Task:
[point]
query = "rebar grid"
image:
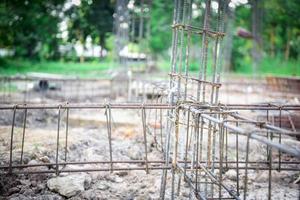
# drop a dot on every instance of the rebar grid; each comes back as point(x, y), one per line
point(63, 117)
point(47, 89)
point(35, 89)
point(201, 148)
point(132, 25)
point(25, 89)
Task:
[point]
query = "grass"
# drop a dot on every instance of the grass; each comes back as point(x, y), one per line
point(165, 65)
point(92, 69)
point(268, 66)
point(8, 88)
point(273, 66)
point(10, 67)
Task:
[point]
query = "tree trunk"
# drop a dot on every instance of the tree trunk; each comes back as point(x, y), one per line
point(228, 41)
point(30, 48)
point(287, 46)
point(272, 38)
point(81, 59)
point(257, 10)
point(102, 44)
point(82, 41)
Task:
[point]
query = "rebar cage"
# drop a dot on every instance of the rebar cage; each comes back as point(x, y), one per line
point(200, 130)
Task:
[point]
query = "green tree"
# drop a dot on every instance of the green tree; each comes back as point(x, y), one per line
point(100, 18)
point(91, 18)
point(161, 20)
point(78, 27)
point(30, 27)
point(283, 27)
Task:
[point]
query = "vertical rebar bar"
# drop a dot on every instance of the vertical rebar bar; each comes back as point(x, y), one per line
point(237, 162)
point(23, 135)
point(270, 171)
point(198, 117)
point(279, 152)
point(246, 167)
point(12, 140)
point(221, 154)
point(57, 140)
point(187, 142)
point(145, 138)
point(67, 134)
point(108, 125)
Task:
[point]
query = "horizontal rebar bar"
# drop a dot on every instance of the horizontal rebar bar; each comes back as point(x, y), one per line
point(255, 163)
point(87, 106)
point(225, 107)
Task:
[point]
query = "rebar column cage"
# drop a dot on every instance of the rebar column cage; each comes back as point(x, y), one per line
point(121, 28)
point(140, 14)
point(199, 130)
point(131, 24)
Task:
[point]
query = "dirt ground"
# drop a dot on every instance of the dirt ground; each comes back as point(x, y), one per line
point(88, 141)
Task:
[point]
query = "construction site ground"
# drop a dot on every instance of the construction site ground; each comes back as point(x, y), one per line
point(88, 142)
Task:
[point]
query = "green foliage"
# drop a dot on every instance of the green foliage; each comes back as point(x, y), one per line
point(241, 53)
point(273, 66)
point(78, 27)
point(30, 27)
point(91, 18)
point(161, 20)
point(133, 47)
point(87, 69)
point(280, 50)
point(110, 42)
point(110, 46)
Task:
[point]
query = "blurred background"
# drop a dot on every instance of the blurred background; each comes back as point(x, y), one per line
point(86, 37)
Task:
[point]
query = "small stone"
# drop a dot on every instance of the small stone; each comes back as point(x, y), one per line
point(143, 186)
point(70, 185)
point(33, 183)
point(257, 186)
point(28, 192)
point(33, 162)
point(13, 190)
point(49, 197)
point(276, 176)
point(118, 180)
point(115, 179)
point(231, 175)
point(89, 194)
point(39, 188)
point(26, 159)
point(129, 196)
point(45, 159)
point(185, 194)
point(37, 168)
point(135, 153)
point(87, 182)
point(25, 182)
point(102, 186)
point(143, 197)
point(122, 173)
point(19, 197)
